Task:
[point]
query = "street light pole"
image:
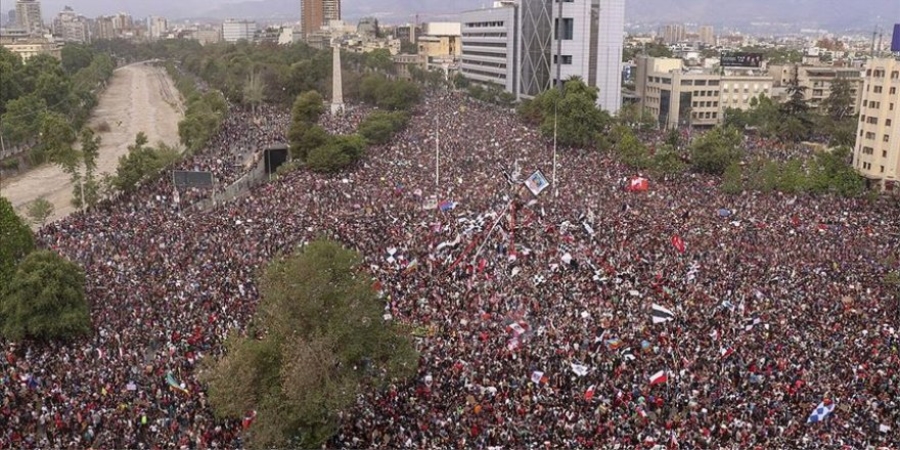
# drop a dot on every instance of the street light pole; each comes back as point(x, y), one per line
point(555, 186)
point(437, 156)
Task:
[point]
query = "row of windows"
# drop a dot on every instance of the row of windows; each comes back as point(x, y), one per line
point(700, 83)
point(484, 64)
point(501, 76)
point(566, 59)
point(502, 35)
point(484, 44)
point(488, 54)
point(868, 166)
point(706, 93)
point(874, 120)
point(498, 23)
point(704, 115)
point(705, 104)
point(871, 135)
point(878, 89)
point(746, 90)
point(878, 73)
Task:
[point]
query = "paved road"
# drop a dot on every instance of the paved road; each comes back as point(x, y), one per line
point(140, 97)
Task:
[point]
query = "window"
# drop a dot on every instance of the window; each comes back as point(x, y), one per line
point(713, 82)
point(876, 89)
point(886, 138)
point(686, 82)
point(895, 74)
point(884, 153)
point(870, 135)
point(700, 83)
point(882, 169)
point(893, 90)
point(568, 29)
point(891, 107)
point(888, 122)
point(566, 59)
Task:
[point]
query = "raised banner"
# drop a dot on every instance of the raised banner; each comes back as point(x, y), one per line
point(537, 182)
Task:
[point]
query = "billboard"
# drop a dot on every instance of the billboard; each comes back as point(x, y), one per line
point(190, 179)
point(741, 59)
point(895, 42)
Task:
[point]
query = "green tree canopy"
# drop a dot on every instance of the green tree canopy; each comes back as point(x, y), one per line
point(321, 339)
point(16, 241)
point(305, 137)
point(379, 126)
point(142, 162)
point(339, 152)
point(578, 120)
point(308, 107)
point(715, 150)
point(45, 300)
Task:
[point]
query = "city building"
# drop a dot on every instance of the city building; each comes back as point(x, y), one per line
point(707, 35)
point(551, 41)
point(817, 80)
point(488, 45)
point(31, 46)
point(673, 33)
point(367, 26)
point(11, 14)
point(679, 96)
point(71, 27)
point(876, 154)
point(407, 33)
point(104, 28)
point(403, 64)
point(157, 27)
point(234, 30)
point(28, 16)
point(440, 44)
point(316, 14)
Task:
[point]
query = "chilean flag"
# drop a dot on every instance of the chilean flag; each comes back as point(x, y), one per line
point(659, 377)
point(589, 393)
point(678, 243)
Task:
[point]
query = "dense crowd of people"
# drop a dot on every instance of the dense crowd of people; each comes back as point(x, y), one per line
point(536, 311)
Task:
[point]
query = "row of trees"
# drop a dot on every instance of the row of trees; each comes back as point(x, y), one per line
point(317, 340)
point(204, 111)
point(828, 172)
point(571, 114)
point(44, 103)
point(42, 295)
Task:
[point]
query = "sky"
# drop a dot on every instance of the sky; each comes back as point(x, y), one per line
point(825, 12)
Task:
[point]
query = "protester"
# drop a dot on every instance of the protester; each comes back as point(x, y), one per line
point(533, 314)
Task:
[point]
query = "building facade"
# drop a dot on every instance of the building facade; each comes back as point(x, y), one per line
point(489, 46)
point(28, 16)
point(316, 14)
point(817, 81)
point(876, 154)
point(692, 97)
point(157, 27)
point(235, 30)
point(70, 27)
point(30, 47)
point(707, 35)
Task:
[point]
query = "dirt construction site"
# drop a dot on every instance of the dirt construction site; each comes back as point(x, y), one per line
point(139, 97)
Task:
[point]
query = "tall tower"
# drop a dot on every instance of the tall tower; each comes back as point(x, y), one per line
point(337, 86)
point(28, 16)
point(315, 14)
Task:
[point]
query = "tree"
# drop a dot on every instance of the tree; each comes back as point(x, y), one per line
point(636, 117)
point(794, 123)
point(254, 91)
point(839, 102)
point(379, 126)
point(732, 180)
point(142, 162)
point(75, 57)
point(45, 300)
point(715, 150)
point(56, 139)
point(308, 107)
point(39, 210)
point(338, 153)
point(305, 137)
point(23, 117)
point(573, 116)
point(16, 241)
point(87, 183)
point(324, 340)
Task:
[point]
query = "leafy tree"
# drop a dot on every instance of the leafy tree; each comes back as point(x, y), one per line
point(76, 57)
point(573, 115)
point(305, 137)
point(630, 149)
point(39, 210)
point(732, 180)
point(56, 139)
point(324, 341)
point(794, 123)
point(339, 153)
point(715, 150)
point(636, 117)
point(87, 183)
point(23, 117)
point(839, 103)
point(408, 48)
point(45, 300)
point(142, 162)
point(667, 162)
point(379, 126)
point(380, 60)
point(460, 81)
point(308, 107)
point(16, 241)
point(254, 91)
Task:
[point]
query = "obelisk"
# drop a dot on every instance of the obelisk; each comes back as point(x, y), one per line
point(337, 87)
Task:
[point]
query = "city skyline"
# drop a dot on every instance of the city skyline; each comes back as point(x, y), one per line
point(831, 14)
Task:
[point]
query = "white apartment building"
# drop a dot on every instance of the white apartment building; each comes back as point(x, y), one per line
point(876, 154)
point(157, 26)
point(489, 46)
point(234, 30)
point(28, 16)
point(548, 40)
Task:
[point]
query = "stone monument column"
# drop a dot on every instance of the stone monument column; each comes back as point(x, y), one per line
point(337, 87)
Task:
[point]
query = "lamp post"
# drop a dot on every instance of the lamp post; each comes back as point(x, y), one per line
point(437, 156)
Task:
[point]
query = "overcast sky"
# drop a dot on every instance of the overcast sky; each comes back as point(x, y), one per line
point(824, 11)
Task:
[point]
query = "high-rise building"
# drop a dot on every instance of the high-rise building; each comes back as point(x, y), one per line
point(235, 30)
point(489, 45)
point(707, 35)
point(876, 154)
point(316, 14)
point(157, 26)
point(673, 33)
point(12, 17)
point(71, 27)
point(104, 28)
point(28, 16)
point(551, 41)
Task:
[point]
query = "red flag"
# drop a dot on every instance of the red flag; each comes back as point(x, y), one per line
point(659, 377)
point(589, 394)
point(678, 243)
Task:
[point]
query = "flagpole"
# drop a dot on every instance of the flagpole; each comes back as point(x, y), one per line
point(555, 117)
point(437, 156)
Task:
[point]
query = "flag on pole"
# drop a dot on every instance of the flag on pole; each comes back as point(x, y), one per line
point(579, 369)
point(175, 385)
point(726, 352)
point(659, 377)
point(589, 393)
point(659, 314)
point(821, 412)
point(537, 377)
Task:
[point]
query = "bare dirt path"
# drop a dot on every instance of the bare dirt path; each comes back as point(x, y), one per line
point(140, 97)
